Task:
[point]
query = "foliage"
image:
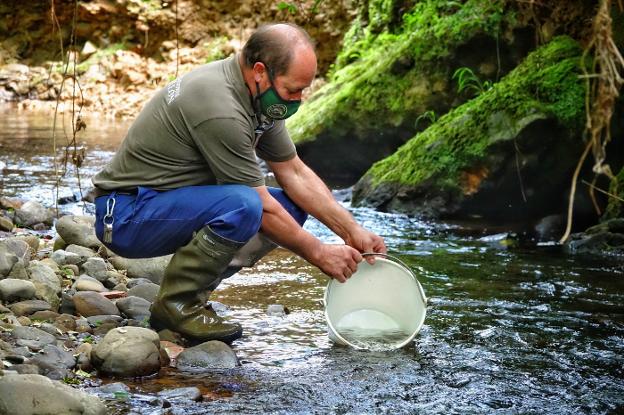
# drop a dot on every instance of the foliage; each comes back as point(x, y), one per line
point(291, 7)
point(546, 84)
point(366, 90)
point(468, 81)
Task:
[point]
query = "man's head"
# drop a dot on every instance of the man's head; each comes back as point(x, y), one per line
point(279, 56)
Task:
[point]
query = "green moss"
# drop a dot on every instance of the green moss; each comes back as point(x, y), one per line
point(546, 84)
point(615, 207)
point(381, 80)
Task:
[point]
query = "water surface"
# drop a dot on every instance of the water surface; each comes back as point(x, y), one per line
point(508, 330)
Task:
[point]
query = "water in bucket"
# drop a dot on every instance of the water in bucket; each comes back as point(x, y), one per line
point(371, 329)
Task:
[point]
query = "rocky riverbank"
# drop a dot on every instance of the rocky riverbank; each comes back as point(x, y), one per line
point(72, 312)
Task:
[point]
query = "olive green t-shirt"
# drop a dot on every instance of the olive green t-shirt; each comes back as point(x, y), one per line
point(198, 130)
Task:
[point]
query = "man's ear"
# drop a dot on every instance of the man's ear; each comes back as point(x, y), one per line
point(258, 70)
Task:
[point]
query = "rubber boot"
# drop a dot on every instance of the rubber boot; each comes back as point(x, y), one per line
point(181, 302)
point(247, 256)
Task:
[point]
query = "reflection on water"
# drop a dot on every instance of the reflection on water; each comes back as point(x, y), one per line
point(507, 331)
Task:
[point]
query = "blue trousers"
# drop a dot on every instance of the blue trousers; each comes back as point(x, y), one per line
point(153, 223)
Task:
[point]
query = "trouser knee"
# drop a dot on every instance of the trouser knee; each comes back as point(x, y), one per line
point(243, 214)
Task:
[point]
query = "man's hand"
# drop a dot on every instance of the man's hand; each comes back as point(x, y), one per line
point(337, 261)
point(366, 241)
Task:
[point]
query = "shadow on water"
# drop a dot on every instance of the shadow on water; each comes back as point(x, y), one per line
point(507, 331)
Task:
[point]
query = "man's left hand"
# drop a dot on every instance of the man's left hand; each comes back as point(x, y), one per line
point(366, 241)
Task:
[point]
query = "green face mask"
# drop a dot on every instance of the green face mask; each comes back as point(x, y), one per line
point(273, 105)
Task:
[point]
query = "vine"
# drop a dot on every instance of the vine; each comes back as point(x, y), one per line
point(604, 80)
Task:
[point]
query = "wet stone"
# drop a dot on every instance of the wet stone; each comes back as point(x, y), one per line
point(181, 394)
point(28, 307)
point(104, 319)
point(135, 282)
point(26, 369)
point(47, 315)
point(32, 337)
point(6, 224)
point(207, 356)
point(65, 322)
point(81, 251)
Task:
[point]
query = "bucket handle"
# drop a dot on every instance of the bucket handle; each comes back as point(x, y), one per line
point(395, 259)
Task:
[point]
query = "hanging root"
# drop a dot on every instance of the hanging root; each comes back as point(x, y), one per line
point(603, 86)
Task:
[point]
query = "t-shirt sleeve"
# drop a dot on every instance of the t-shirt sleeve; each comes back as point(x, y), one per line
point(275, 144)
point(227, 146)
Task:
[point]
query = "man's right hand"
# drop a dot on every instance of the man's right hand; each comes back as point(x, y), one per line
point(337, 261)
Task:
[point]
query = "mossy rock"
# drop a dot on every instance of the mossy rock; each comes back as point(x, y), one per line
point(391, 71)
point(615, 207)
point(506, 154)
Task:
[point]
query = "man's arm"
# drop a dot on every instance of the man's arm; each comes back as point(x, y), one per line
point(309, 192)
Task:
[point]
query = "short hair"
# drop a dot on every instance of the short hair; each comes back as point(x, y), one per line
point(274, 48)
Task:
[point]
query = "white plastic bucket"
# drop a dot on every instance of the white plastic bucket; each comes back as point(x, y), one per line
point(383, 303)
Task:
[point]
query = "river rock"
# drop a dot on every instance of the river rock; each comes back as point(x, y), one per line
point(87, 283)
point(40, 395)
point(27, 307)
point(6, 224)
point(65, 322)
point(150, 268)
point(114, 278)
point(90, 303)
point(32, 213)
point(33, 242)
point(10, 203)
point(181, 394)
point(146, 291)
point(78, 230)
point(128, 351)
point(13, 289)
point(135, 308)
point(54, 362)
point(84, 253)
point(104, 319)
point(7, 261)
point(47, 284)
point(277, 310)
point(96, 268)
point(50, 264)
point(207, 356)
point(32, 337)
point(62, 257)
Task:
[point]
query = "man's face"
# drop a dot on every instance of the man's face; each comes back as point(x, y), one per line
point(290, 85)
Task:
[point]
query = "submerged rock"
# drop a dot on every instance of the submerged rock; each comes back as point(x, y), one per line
point(207, 356)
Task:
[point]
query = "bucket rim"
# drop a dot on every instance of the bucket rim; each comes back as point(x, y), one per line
point(390, 260)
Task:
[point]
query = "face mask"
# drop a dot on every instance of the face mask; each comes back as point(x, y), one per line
point(273, 105)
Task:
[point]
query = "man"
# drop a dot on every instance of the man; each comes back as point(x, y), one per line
point(186, 180)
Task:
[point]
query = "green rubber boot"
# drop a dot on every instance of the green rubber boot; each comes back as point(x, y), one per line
point(189, 278)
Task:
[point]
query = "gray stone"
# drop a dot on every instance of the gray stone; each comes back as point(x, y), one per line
point(7, 260)
point(19, 247)
point(90, 303)
point(87, 283)
point(114, 278)
point(146, 291)
point(25, 308)
point(96, 267)
point(47, 284)
point(207, 356)
point(135, 308)
point(135, 282)
point(78, 230)
point(13, 289)
point(40, 395)
point(33, 242)
point(6, 224)
point(190, 393)
point(150, 268)
point(32, 213)
point(54, 362)
point(33, 334)
point(62, 257)
point(81, 251)
point(128, 351)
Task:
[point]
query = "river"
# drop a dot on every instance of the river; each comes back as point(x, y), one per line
point(523, 330)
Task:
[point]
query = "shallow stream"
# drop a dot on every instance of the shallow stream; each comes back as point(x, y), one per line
point(507, 331)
